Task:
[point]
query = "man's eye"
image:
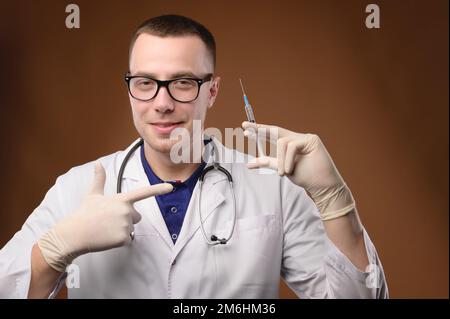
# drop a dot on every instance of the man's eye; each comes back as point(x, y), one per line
point(145, 83)
point(183, 83)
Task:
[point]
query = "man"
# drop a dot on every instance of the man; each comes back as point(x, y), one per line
point(301, 223)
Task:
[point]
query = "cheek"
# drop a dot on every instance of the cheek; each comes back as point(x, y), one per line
point(199, 112)
point(138, 108)
point(201, 107)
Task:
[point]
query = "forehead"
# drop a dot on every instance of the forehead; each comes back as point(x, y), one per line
point(164, 56)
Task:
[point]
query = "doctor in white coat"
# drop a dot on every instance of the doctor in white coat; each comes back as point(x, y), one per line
point(301, 223)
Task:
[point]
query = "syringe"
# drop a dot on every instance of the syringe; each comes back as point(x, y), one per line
point(251, 118)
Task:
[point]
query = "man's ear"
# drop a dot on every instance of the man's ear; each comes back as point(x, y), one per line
point(214, 91)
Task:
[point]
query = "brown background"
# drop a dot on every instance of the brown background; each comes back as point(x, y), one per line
point(378, 99)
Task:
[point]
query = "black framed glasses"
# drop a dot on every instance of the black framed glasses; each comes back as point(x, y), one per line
point(182, 90)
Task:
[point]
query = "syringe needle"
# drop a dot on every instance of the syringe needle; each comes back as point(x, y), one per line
point(251, 118)
point(242, 87)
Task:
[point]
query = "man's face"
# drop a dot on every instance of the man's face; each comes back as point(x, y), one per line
point(166, 59)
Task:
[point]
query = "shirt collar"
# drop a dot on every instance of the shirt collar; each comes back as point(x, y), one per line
point(154, 179)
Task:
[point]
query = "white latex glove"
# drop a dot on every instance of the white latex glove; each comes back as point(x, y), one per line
point(305, 161)
point(100, 223)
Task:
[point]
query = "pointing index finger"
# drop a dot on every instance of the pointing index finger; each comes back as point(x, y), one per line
point(145, 192)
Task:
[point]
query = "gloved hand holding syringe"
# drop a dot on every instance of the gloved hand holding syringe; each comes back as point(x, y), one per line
point(251, 118)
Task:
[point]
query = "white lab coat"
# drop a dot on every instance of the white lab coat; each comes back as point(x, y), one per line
point(278, 231)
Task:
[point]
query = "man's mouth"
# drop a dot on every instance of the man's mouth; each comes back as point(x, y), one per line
point(165, 127)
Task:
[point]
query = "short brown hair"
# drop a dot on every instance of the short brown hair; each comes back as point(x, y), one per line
point(176, 25)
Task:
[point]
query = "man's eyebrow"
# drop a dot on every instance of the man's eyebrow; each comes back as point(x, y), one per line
point(146, 74)
point(182, 74)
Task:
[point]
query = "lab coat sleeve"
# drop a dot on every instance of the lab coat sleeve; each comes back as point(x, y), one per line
point(312, 266)
point(15, 256)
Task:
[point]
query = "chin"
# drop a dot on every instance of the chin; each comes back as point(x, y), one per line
point(161, 144)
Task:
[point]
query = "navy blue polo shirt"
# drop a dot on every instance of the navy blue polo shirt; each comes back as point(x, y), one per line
point(173, 205)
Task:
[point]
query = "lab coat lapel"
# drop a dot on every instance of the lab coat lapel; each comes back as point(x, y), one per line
point(148, 207)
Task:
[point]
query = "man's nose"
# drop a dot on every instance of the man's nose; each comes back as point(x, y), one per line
point(163, 102)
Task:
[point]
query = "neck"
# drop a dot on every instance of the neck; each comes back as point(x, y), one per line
point(165, 169)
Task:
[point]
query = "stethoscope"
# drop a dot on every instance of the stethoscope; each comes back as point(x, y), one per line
point(213, 240)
